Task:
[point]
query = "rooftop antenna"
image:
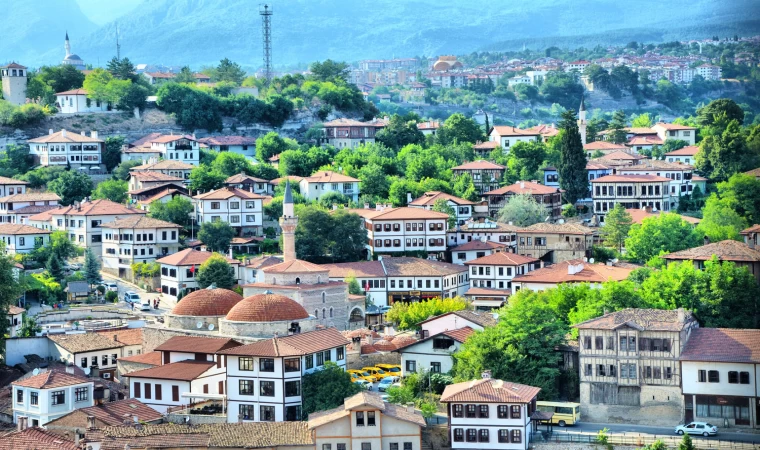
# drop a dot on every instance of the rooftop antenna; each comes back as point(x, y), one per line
point(118, 46)
point(266, 33)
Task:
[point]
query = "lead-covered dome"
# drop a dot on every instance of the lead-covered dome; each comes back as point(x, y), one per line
point(267, 308)
point(207, 302)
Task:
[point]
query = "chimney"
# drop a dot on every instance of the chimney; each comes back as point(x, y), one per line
point(70, 369)
point(240, 418)
point(707, 240)
point(22, 421)
point(541, 264)
point(370, 340)
point(63, 133)
point(50, 131)
point(334, 206)
point(648, 209)
point(681, 315)
point(410, 407)
point(486, 374)
point(94, 134)
point(116, 338)
point(90, 422)
point(366, 206)
point(83, 133)
point(134, 419)
point(409, 197)
point(76, 437)
point(522, 185)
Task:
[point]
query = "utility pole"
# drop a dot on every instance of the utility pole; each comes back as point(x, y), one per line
point(266, 33)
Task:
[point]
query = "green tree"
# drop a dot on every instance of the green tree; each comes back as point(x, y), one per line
point(133, 96)
point(617, 128)
point(572, 163)
point(718, 113)
point(112, 152)
point(353, 284)
point(409, 315)
point(264, 171)
point(61, 245)
point(686, 443)
point(228, 71)
point(216, 236)
point(71, 186)
point(330, 70)
point(722, 155)
point(204, 179)
point(523, 210)
point(122, 171)
point(217, 271)
point(400, 395)
point(374, 181)
point(642, 121)
point(230, 163)
point(192, 107)
point(666, 232)
point(442, 205)
point(464, 188)
point(617, 224)
point(400, 131)
point(114, 190)
point(54, 266)
point(524, 161)
point(122, 69)
point(563, 88)
point(60, 78)
point(342, 235)
point(99, 84)
point(91, 267)
point(520, 348)
point(29, 327)
point(272, 144)
point(458, 128)
point(326, 389)
point(177, 210)
point(185, 75)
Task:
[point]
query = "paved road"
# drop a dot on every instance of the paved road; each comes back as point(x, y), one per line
point(165, 304)
point(728, 435)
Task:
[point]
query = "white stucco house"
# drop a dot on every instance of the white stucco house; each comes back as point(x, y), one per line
point(50, 395)
point(20, 238)
point(76, 101)
point(178, 270)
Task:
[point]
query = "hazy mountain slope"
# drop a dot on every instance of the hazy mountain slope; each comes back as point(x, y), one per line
point(199, 32)
point(30, 27)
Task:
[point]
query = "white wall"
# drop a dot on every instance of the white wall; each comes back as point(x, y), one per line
point(423, 354)
point(691, 384)
point(448, 322)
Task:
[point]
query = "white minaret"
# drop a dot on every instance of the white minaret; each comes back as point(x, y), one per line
point(288, 223)
point(582, 121)
point(14, 83)
point(67, 45)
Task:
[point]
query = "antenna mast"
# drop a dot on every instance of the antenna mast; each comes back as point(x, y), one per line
point(266, 33)
point(118, 46)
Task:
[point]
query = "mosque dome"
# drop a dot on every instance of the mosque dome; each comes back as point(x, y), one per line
point(207, 302)
point(267, 308)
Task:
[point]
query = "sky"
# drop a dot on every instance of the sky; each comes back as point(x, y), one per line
point(104, 11)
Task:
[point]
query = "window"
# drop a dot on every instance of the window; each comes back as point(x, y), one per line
point(733, 377)
point(458, 435)
point(246, 387)
point(175, 393)
point(293, 413)
point(411, 366)
point(483, 435)
point(266, 413)
point(266, 388)
point(245, 363)
point(599, 343)
point(483, 411)
point(668, 373)
point(20, 396)
point(292, 388)
point(34, 398)
point(472, 435)
point(504, 436)
point(587, 342)
point(366, 446)
point(292, 365)
point(702, 376)
point(588, 370)
point(104, 360)
point(458, 411)
point(136, 389)
point(320, 359)
point(370, 418)
point(59, 397)
point(713, 376)
point(359, 418)
point(114, 357)
point(158, 391)
point(743, 378)
point(81, 394)
point(516, 436)
point(394, 446)
point(327, 352)
point(214, 205)
point(148, 392)
point(84, 362)
point(339, 446)
point(309, 361)
point(515, 411)
point(339, 353)
point(266, 365)
point(502, 412)
point(246, 411)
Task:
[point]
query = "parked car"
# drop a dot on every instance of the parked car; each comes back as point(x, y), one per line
point(387, 382)
point(703, 428)
point(376, 372)
point(361, 374)
point(363, 383)
point(112, 287)
point(145, 305)
point(393, 369)
point(131, 297)
point(73, 267)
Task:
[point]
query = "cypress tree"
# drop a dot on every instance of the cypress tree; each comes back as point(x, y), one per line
point(617, 126)
point(573, 177)
point(55, 267)
point(91, 267)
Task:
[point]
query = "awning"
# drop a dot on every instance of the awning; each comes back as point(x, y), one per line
point(204, 396)
point(488, 303)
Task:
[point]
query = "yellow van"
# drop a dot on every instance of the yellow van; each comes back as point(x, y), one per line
point(362, 375)
point(392, 369)
point(376, 372)
point(565, 413)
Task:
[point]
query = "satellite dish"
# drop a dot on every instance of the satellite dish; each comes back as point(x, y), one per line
point(199, 325)
point(211, 327)
point(36, 372)
point(86, 370)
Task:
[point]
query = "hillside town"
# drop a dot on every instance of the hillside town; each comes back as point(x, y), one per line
point(329, 259)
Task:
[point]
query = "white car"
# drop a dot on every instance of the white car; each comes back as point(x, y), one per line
point(363, 383)
point(112, 287)
point(387, 382)
point(703, 428)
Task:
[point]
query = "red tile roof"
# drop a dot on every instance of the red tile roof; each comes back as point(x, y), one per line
point(524, 187)
point(51, 379)
point(479, 165)
point(752, 229)
point(502, 259)
point(35, 438)
point(727, 250)
point(672, 126)
point(190, 257)
point(15, 229)
point(477, 244)
point(228, 192)
point(154, 176)
point(114, 413)
point(243, 178)
point(5, 180)
point(152, 358)
point(267, 308)
point(460, 335)
point(139, 222)
point(164, 164)
point(604, 145)
point(171, 138)
point(181, 370)
point(690, 150)
point(295, 266)
point(360, 269)
point(294, 345)
point(195, 344)
point(100, 207)
point(484, 319)
point(629, 179)
point(406, 266)
point(638, 216)
point(326, 176)
point(506, 130)
point(489, 391)
point(127, 336)
point(585, 273)
point(429, 198)
point(207, 302)
point(722, 345)
point(403, 213)
point(79, 91)
point(342, 122)
point(641, 319)
point(228, 140)
point(65, 136)
point(477, 291)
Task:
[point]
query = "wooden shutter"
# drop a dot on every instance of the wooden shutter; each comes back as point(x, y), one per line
point(175, 393)
point(136, 389)
point(158, 391)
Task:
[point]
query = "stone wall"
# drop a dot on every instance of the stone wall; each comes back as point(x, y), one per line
point(191, 322)
point(75, 314)
point(660, 406)
point(155, 335)
point(125, 367)
point(263, 330)
point(357, 361)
